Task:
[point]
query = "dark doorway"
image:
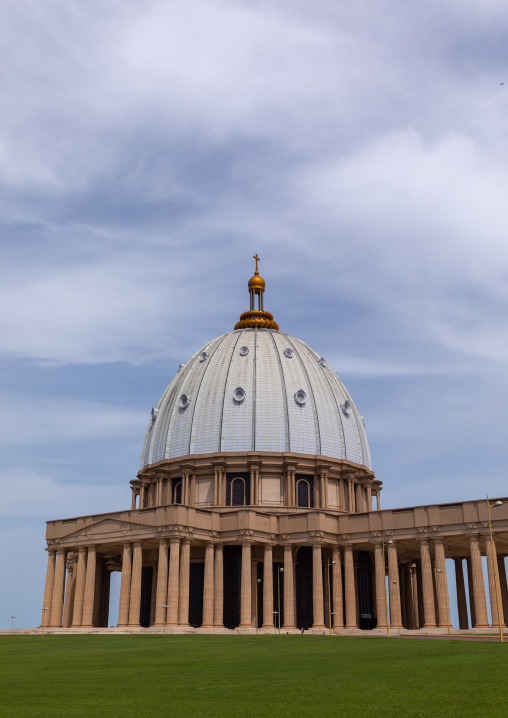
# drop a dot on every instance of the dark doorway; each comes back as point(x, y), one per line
point(365, 602)
point(232, 572)
point(146, 595)
point(304, 613)
point(197, 580)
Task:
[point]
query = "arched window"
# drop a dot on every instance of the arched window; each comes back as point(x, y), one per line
point(238, 492)
point(302, 493)
point(177, 493)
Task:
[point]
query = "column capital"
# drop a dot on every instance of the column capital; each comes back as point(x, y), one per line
point(163, 542)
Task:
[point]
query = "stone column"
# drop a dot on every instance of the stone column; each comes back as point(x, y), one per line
point(393, 580)
point(470, 591)
point(58, 591)
point(125, 586)
point(268, 587)
point(496, 605)
point(208, 587)
point(162, 584)
point(79, 588)
point(429, 607)
point(414, 589)
point(461, 594)
point(245, 610)
point(70, 586)
point(89, 594)
point(218, 607)
point(502, 580)
point(133, 502)
point(441, 585)
point(408, 598)
point(48, 588)
point(369, 497)
point(480, 605)
point(289, 588)
point(317, 587)
point(173, 582)
point(183, 602)
point(135, 600)
point(380, 571)
point(337, 601)
point(349, 587)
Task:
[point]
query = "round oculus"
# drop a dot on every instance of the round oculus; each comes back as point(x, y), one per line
point(184, 401)
point(203, 356)
point(239, 395)
point(300, 397)
point(288, 353)
point(244, 351)
point(345, 408)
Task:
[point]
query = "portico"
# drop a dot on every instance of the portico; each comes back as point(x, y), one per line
point(185, 566)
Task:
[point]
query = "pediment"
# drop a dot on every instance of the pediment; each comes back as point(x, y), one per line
point(103, 529)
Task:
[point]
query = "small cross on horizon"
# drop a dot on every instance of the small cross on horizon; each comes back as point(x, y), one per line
point(257, 260)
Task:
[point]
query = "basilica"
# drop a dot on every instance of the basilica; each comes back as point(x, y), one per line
point(256, 509)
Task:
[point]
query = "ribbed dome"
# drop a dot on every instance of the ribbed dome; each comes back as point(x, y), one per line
point(256, 390)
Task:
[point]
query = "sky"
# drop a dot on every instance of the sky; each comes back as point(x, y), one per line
point(149, 149)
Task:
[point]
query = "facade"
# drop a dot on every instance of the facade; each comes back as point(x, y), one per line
point(256, 508)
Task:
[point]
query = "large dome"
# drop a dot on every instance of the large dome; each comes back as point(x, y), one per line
point(256, 390)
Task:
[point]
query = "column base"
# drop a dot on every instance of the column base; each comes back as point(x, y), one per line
point(245, 625)
point(289, 626)
point(319, 625)
point(430, 625)
point(207, 625)
point(134, 625)
point(267, 626)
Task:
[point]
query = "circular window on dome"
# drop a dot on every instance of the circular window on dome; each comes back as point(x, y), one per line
point(300, 397)
point(288, 353)
point(203, 356)
point(321, 361)
point(184, 401)
point(154, 413)
point(345, 408)
point(244, 351)
point(239, 395)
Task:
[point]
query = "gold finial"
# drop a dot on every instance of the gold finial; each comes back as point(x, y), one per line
point(256, 318)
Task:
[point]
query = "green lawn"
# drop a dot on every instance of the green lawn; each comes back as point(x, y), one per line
point(250, 676)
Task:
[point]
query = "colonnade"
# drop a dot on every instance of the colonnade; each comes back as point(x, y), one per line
point(77, 584)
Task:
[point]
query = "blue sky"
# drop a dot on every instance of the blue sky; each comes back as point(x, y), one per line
point(149, 149)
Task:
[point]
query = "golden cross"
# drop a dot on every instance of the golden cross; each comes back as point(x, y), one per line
point(257, 260)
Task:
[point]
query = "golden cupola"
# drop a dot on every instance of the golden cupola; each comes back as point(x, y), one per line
point(256, 318)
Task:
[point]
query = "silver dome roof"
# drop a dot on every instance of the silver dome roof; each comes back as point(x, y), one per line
point(256, 390)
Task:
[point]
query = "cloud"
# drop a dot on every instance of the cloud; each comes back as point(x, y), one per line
point(31, 493)
point(29, 420)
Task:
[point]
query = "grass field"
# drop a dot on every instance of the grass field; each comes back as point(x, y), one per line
point(250, 676)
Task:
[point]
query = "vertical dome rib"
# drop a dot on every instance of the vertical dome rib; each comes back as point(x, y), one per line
point(206, 422)
point(301, 421)
point(179, 434)
point(271, 410)
point(236, 430)
point(315, 413)
point(330, 425)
